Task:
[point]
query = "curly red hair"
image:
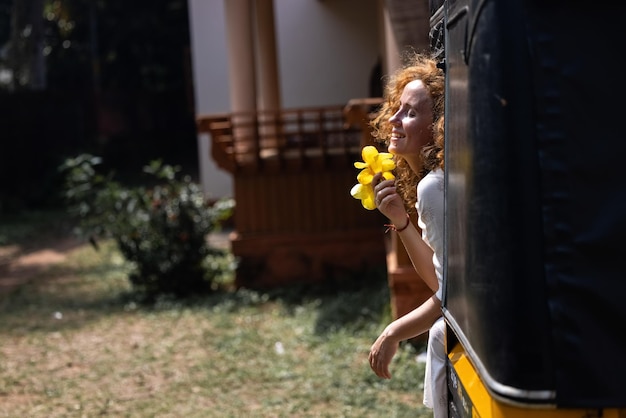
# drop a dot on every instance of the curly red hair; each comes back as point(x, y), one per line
point(417, 67)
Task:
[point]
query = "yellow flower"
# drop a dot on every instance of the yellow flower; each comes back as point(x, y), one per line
point(373, 162)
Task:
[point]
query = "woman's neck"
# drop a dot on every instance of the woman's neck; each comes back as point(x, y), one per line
point(415, 162)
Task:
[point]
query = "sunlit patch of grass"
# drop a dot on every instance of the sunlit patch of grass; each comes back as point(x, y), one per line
point(76, 343)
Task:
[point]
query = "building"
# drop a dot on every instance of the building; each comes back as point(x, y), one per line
point(263, 66)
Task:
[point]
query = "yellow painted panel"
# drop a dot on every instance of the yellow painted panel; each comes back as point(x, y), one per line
point(474, 399)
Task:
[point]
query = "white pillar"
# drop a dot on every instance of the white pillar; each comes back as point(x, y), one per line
point(240, 35)
point(268, 93)
point(393, 60)
point(269, 86)
point(239, 32)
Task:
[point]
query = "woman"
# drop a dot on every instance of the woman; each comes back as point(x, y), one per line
point(411, 124)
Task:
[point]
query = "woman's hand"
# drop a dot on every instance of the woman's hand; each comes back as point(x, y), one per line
point(388, 201)
point(414, 323)
point(381, 354)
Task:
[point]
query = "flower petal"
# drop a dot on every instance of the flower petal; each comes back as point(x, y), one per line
point(387, 165)
point(368, 201)
point(376, 166)
point(387, 175)
point(369, 154)
point(365, 193)
point(365, 176)
point(357, 191)
point(373, 163)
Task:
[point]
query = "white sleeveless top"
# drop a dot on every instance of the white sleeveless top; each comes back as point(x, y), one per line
point(430, 210)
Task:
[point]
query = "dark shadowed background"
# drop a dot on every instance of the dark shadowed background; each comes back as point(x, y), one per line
point(107, 77)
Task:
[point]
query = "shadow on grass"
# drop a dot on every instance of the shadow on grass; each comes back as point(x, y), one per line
point(34, 228)
point(84, 293)
point(60, 293)
point(354, 301)
point(80, 295)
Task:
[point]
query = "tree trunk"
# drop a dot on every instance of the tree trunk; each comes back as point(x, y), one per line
point(26, 56)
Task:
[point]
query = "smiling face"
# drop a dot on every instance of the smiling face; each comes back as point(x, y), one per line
point(412, 123)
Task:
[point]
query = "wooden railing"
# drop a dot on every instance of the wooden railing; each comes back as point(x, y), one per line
point(295, 220)
point(290, 139)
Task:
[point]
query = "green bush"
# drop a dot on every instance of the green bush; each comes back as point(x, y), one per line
point(161, 228)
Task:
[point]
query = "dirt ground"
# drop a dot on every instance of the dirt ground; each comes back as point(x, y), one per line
point(18, 266)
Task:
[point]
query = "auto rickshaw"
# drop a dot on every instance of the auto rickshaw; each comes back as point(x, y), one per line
point(535, 283)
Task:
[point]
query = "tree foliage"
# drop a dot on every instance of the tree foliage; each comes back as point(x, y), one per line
point(104, 43)
point(106, 77)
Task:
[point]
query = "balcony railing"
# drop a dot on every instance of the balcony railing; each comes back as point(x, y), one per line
point(295, 220)
point(288, 139)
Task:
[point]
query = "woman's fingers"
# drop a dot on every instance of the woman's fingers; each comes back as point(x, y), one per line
point(382, 189)
point(380, 357)
point(385, 194)
point(379, 367)
point(381, 184)
point(375, 364)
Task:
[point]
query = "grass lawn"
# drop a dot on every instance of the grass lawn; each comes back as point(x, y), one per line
point(74, 344)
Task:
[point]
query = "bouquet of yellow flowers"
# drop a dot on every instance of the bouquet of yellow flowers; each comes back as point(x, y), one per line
point(373, 162)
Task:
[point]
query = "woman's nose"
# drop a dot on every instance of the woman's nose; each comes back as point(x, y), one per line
point(394, 120)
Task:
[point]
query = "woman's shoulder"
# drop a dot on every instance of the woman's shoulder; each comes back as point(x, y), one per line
point(430, 202)
point(432, 182)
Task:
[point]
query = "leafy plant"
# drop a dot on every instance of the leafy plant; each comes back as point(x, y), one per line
point(161, 229)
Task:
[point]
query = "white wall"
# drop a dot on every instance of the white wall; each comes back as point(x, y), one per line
point(210, 77)
point(326, 51)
